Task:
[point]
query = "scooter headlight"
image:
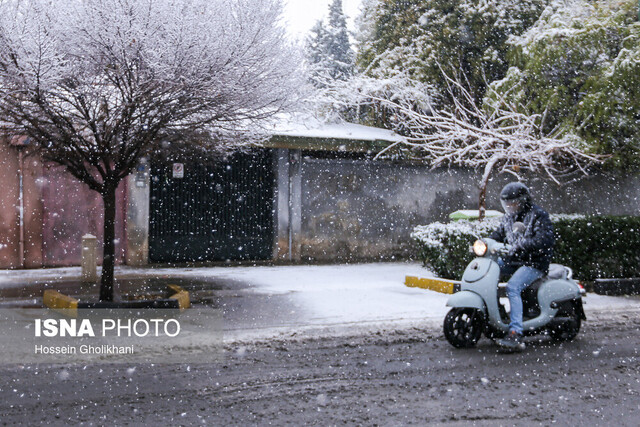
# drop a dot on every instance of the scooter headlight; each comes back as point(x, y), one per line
point(479, 248)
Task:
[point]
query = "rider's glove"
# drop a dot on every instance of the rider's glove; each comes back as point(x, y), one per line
point(515, 250)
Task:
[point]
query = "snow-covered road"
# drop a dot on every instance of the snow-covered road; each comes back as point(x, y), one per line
point(262, 302)
point(334, 344)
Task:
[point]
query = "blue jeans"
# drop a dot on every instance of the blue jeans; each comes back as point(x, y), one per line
point(523, 277)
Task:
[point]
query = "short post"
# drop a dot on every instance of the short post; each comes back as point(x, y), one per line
point(89, 258)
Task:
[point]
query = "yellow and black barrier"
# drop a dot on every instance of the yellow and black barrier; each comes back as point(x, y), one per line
point(444, 286)
point(63, 303)
point(180, 295)
point(176, 297)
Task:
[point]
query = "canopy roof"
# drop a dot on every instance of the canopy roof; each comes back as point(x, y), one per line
point(309, 133)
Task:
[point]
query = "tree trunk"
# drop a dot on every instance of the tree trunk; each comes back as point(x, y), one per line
point(108, 258)
point(482, 198)
point(482, 201)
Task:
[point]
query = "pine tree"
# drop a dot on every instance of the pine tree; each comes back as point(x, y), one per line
point(329, 51)
point(338, 46)
point(316, 54)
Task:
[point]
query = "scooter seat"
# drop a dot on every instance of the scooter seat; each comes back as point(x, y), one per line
point(530, 293)
point(557, 271)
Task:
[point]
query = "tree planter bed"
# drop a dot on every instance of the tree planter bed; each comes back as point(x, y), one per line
point(175, 298)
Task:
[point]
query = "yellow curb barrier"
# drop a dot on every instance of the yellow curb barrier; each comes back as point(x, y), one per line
point(181, 295)
point(433, 284)
point(60, 302)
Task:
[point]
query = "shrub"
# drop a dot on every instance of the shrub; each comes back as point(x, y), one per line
point(593, 246)
point(599, 246)
point(444, 248)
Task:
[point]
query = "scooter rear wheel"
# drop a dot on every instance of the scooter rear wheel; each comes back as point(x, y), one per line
point(569, 330)
point(463, 326)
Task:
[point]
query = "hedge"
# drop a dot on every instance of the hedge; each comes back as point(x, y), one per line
point(593, 246)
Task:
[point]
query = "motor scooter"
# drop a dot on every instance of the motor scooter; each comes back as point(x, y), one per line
point(551, 305)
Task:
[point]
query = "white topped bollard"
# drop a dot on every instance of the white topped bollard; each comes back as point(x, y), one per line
point(89, 258)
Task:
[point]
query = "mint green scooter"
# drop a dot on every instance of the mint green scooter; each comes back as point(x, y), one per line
point(552, 305)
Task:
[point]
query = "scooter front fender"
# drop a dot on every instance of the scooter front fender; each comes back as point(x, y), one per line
point(466, 299)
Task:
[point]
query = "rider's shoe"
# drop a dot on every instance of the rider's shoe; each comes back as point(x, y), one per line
point(512, 342)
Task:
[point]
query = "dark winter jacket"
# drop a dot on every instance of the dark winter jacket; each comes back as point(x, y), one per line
point(533, 248)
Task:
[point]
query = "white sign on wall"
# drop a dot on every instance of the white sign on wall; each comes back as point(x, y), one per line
point(178, 170)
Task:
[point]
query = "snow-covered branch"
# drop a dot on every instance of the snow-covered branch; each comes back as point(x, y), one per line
point(352, 98)
point(469, 136)
point(105, 79)
point(497, 140)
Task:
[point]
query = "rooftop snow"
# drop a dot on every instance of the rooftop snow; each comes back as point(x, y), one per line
point(312, 127)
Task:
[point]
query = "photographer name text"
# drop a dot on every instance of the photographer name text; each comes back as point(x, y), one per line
point(84, 349)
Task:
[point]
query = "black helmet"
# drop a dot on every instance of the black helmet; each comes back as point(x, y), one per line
point(514, 197)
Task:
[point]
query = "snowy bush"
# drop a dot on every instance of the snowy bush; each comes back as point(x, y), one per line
point(444, 247)
point(593, 246)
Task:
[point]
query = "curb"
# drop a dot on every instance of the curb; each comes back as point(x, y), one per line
point(443, 286)
point(617, 287)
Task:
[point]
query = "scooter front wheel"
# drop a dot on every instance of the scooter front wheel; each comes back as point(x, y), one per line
point(463, 326)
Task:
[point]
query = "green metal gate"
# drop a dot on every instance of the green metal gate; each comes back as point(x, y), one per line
point(221, 211)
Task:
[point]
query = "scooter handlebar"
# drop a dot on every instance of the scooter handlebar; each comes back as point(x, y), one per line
point(497, 248)
point(503, 249)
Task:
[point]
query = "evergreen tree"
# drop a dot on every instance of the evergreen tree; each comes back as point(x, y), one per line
point(423, 38)
point(316, 48)
point(329, 51)
point(579, 68)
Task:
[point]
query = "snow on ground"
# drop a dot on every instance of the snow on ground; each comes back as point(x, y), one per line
point(329, 299)
point(348, 293)
point(326, 299)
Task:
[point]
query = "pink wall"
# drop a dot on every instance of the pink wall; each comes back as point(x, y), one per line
point(72, 210)
point(32, 182)
point(9, 217)
point(58, 211)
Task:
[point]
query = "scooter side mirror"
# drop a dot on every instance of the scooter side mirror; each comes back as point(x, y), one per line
point(518, 228)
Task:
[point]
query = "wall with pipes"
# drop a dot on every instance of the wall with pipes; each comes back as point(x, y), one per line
point(44, 212)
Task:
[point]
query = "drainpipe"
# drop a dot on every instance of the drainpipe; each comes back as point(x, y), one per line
point(21, 205)
point(290, 205)
point(294, 204)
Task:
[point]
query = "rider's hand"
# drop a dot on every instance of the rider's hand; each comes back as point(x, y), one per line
point(515, 249)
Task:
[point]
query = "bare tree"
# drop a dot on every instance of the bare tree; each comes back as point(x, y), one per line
point(98, 84)
point(498, 140)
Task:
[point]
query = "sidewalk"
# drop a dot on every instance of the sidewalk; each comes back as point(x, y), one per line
point(267, 301)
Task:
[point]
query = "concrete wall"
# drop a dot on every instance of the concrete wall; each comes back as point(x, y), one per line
point(366, 210)
point(137, 223)
point(325, 209)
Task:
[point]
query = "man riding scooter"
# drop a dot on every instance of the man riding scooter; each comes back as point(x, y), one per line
point(529, 256)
